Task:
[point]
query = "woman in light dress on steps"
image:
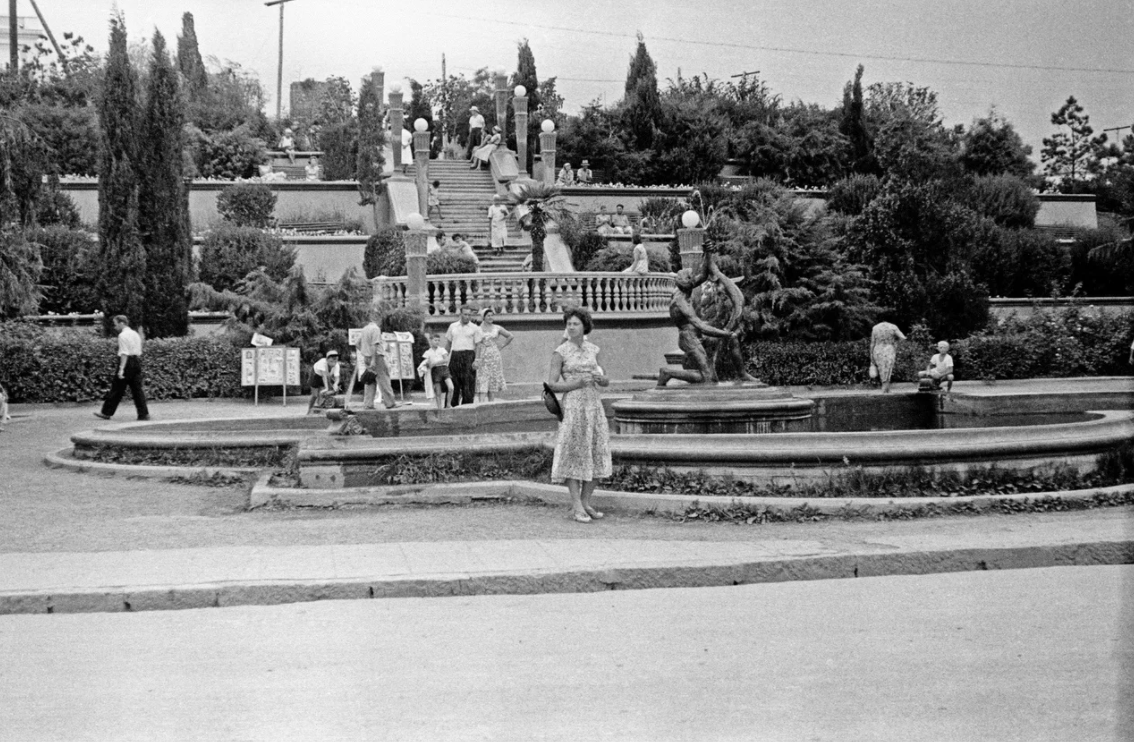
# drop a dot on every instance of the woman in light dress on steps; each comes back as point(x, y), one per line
point(489, 364)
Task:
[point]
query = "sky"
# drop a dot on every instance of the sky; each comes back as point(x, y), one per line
point(1025, 57)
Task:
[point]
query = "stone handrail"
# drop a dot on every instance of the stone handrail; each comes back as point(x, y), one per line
point(534, 294)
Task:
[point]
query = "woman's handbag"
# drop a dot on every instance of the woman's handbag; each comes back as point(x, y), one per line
point(873, 371)
point(552, 403)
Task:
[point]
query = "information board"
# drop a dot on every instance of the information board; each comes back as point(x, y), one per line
point(269, 366)
point(398, 347)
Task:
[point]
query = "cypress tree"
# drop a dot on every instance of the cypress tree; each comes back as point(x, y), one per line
point(853, 126)
point(122, 278)
point(371, 140)
point(643, 103)
point(526, 75)
point(189, 61)
point(163, 201)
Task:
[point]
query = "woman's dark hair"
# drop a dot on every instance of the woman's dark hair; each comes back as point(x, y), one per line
point(636, 238)
point(584, 316)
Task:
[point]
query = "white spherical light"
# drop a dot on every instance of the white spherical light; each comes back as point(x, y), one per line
point(520, 91)
point(548, 126)
point(415, 221)
point(395, 87)
point(690, 219)
point(420, 125)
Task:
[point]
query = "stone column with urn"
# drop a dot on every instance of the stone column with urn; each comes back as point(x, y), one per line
point(396, 121)
point(520, 105)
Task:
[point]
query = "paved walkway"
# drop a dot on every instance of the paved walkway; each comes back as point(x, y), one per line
point(72, 542)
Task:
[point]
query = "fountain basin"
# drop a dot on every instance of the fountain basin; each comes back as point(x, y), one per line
point(713, 409)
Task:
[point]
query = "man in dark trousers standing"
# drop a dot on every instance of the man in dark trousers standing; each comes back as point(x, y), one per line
point(129, 373)
point(461, 337)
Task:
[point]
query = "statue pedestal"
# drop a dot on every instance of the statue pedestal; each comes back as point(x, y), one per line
point(713, 409)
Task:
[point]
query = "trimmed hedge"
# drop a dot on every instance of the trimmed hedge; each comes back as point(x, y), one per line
point(76, 366)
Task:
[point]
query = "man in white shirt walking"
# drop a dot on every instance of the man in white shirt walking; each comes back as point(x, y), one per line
point(376, 377)
point(128, 374)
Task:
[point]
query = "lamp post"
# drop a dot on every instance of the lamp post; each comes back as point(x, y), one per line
point(421, 158)
point(417, 245)
point(279, 66)
point(396, 115)
point(502, 106)
point(520, 104)
point(547, 150)
point(690, 240)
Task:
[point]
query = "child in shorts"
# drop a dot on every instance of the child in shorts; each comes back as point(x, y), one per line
point(438, 360)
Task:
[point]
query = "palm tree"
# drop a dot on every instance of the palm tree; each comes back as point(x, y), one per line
point(542, 203)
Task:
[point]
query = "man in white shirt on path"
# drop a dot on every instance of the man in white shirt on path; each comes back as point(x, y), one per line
point(476, 131)
point(129, 372)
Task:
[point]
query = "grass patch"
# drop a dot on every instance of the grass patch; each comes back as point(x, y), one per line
point(262, 457)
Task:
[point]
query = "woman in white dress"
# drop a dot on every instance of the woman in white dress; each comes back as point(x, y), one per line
point(489, 364)
point(481, 154)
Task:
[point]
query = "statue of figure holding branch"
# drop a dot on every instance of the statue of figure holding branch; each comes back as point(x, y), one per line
point(691, 328)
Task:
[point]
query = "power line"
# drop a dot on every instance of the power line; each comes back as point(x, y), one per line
point(790, 50)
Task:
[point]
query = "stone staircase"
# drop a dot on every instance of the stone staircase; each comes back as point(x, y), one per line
point(465, 197)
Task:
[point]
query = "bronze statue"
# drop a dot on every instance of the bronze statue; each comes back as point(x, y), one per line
point(691, 328)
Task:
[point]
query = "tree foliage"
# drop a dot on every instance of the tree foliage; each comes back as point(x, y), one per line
point(122, 279)
point(1068, 153)
point(642, 101)
point(189, 62)
point(991, 146)
point(163, 201)
point(371, 140)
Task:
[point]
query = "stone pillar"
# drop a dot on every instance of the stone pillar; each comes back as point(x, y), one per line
point(520, 104)
point(547, 155)
point(689, 241)
point(396, 115)
point(417, 245)
point(421, 159)
point(502, 107)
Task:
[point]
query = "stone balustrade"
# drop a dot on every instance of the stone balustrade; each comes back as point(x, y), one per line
point(534, 294)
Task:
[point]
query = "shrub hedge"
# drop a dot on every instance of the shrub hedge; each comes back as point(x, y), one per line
point(75, 366)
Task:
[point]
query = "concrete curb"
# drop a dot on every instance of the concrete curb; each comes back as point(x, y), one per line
point(62, 459)
point(635, 502)
point(529, 582)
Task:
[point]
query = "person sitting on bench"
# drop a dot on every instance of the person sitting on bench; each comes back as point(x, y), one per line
point(940, 369)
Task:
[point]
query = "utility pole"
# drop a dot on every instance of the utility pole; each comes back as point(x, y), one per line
point(13, 38)
point(279, 68)
point(444, 105)
point(50, 36)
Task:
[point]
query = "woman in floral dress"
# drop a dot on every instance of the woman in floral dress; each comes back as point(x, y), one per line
point(489, 364)
point(582, 448)
point(884, 339)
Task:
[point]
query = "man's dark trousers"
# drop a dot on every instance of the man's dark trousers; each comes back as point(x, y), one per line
point(132, 378)
point(464, 376)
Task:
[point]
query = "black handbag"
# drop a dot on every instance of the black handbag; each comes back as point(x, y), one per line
point(551, 402)
point(368, 377)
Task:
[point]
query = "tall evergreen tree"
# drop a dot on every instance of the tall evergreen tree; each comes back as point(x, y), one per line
point(163, 201)
point(189, 61)
point(120, 252)
point(1071, 152)
point(643, 102)
point(371, 140)
point(525, 75)
point(853, 127)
